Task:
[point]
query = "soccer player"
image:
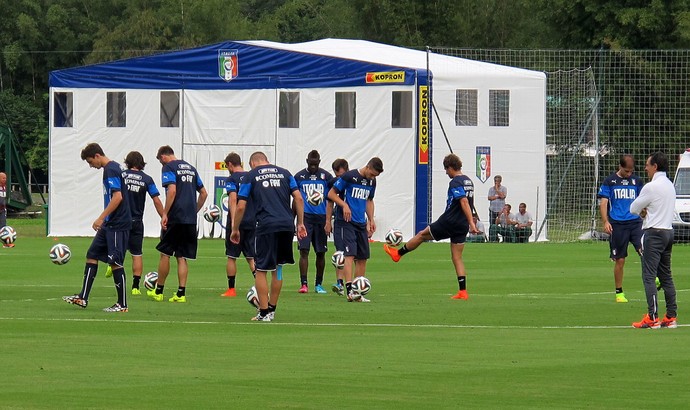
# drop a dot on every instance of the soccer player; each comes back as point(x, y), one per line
point(354, 220)
point(309, 180)
point(112, 231)
point(270, 188)
point(3, 202)
point(139, 185)
point(246, 246)
point(616, 194)
point(455, 222)
point(178, 222)
point(656, 204)
point(339, 166)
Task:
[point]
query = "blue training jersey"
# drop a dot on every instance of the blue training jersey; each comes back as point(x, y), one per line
point(308, 183)
point(270, 188)
point(456, 191)
point(121, 218)
point(468, 186)
point(356, 190)
point(233, 184)
point(621, 192)
point(187, 183)
point(139, 184)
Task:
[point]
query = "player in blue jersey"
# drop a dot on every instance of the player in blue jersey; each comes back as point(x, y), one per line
point(178, 222)
point(112, 231)
point(270, 187)
point(309, 180)
point(354, 219)
point(139, 186)
point(233, 163)
point(339, 166)
point(455, 222)
point(616, 194)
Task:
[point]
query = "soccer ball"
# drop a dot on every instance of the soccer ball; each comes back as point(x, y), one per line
point(253, 297)
point(212, 213)
point(315, 198)
point(394, 237)
point(60, 254)
point(338, 259)
point(8, 235)
point(150, 280)
point(361, 285)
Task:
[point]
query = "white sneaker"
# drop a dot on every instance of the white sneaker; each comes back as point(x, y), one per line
point(353, 297)
point(259, 318)
point(363, 299)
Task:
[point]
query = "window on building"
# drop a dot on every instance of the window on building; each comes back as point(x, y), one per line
point(116, 109)
point(401, 115)
point(499, 108)
point(345, 109)
point(170, 109)
point(466, 108)
point(288, 109)
point(62, 110)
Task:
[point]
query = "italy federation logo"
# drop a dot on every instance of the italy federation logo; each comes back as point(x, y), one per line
point(227, 64)
point(483, 163)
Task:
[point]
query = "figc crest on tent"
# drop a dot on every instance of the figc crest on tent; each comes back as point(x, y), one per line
point(483, 163)
point(227, 64)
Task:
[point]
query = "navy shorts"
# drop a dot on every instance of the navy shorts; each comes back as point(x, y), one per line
point(316, 235)
point(353, 239)
point(109, 246)
point(136, 238)
point(179, 241)
point(246, 245)
point(624, 233)
point(338, 239)
point(273, 249)
point(443, 230)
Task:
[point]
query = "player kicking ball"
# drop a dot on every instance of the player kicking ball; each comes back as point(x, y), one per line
point(455, 223)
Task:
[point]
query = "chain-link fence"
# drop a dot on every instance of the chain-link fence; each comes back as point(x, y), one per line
point(601, 104)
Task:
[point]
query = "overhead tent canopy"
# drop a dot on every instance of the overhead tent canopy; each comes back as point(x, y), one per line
point(346, 98)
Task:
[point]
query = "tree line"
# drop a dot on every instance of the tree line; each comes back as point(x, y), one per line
point(37, 36)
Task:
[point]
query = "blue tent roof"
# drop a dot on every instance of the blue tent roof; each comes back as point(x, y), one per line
point(251, 67)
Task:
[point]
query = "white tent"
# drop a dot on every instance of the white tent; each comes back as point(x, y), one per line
point(346, 98)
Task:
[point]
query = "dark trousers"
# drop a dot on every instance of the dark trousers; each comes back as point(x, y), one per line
point(656, 263)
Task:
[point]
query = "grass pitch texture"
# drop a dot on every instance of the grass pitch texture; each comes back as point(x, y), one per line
point(540, 330)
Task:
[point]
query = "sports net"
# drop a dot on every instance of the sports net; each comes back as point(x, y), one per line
point(600, 104)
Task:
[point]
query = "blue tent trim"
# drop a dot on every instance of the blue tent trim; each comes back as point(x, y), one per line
point(257, 68)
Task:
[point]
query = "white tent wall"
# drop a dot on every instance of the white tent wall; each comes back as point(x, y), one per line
point(75, 195)
point(250, 118)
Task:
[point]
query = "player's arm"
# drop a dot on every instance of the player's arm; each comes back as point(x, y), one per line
point(237, 219)
point(298, 204)
point(158, 205)
point(115, 201)
point(465, 206)
point(333, 196)
point(201, 200)
point(232, 203)
point(329, 214)
point(170, 191)
point(370, 215)
point(604, 212)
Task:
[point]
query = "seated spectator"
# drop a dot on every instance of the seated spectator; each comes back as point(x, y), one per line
point(504, 225)
point(480, 236)
point(523, 228)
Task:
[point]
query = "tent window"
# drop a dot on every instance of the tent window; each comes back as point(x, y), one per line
point(288, 110)
point(345, 109)
point(499, 108)
point(401, 116)
point(170, 109)
point(466, 108)
point(116, 109)
point(62, 110)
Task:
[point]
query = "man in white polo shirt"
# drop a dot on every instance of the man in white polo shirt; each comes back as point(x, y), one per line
point(655, 205)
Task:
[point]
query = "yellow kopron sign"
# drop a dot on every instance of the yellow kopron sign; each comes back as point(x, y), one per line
point(423, 121)
point(386, 77)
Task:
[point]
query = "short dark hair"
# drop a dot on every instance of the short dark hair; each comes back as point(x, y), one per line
point(452, 161)
point(340, 163)
point(233, 159)
point(135, 160)
point(313, 155)
point(376, 164)
point(165, 150)
point(91, 150)
point(660, 160)
point(258, 155)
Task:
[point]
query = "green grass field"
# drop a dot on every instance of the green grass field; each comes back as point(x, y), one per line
point(541, 330)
